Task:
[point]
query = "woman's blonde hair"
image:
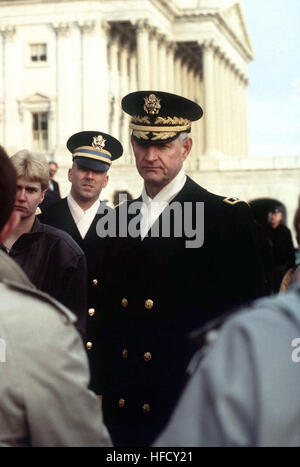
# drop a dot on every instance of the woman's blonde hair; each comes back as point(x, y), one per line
point(32, 166)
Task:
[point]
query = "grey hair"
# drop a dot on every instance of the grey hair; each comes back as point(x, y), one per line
point(182, 136)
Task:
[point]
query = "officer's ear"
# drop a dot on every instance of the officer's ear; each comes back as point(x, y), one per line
point(10, 225)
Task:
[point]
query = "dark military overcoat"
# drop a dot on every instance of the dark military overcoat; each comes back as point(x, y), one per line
point(157, 291)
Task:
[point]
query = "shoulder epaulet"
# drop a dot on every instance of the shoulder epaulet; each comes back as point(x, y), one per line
point(38, 211)
point(42, 296)
point(233, 200)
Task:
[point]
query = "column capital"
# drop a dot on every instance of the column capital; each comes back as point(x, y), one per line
point(162, 38)
point(62, 29)
point(8, 32)
point(207, 44)
point(87, 27)
point(153, 31)
point(171, 46)
point(142, 25)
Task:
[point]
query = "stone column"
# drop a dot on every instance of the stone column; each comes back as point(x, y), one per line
point(245, 82)
point(184, 78)
point(209, 99)
point(227, 107)
point(114, 90)
point(94, 75)
point(11, 126)
point(154, 73)
point(177, 73)
point(171, 47)
point(124, 118)
point(143, 61)
point(235, 111)
point(132, 70)
point(162, 63)
point(63, 88)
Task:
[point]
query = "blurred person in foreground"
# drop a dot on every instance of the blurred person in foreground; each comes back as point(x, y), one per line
point(244, 381)
point(44, 400)
point(51, 259)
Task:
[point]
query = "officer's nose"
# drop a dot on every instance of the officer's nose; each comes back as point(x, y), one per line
point(151, 153)
point(89, 174)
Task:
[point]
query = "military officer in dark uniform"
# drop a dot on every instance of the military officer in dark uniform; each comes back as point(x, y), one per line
point(188, 256)
point(78, 214)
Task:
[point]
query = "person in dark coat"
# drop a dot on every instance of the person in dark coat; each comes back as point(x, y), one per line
point(51, 259)
point(282, 246)
point(78, 215)
point(52, 195)
point(183, 257)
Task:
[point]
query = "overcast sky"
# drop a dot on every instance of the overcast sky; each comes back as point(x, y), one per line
point(274, 90)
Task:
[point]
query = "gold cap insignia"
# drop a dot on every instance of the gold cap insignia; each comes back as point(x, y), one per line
point(98, 142)
point(152, 104)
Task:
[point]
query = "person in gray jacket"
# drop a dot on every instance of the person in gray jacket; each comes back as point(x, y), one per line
point(244, 388)
point(44, 400)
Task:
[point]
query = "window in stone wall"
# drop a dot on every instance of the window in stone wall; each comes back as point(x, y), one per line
point(38, 53)
point(39, 131)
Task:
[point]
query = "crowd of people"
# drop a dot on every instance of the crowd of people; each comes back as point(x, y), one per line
point(177, 343)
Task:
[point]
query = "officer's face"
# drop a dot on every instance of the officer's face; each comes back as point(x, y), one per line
point(158, 164)
point(86, 184)
point(29, 195)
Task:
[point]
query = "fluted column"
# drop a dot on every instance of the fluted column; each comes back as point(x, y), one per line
point(132, 70)
point(184, 78)
point(162, 64)
point(177, 77)
point(227, 107)
point(209, 99)
point(143, 54)
point(124, 90)
point(236, 111)
point(171, 47)
point(9, 74)
point(114, 90)
point(63, 79)
point(94, 74)
point(154, 74)
point(245, 116)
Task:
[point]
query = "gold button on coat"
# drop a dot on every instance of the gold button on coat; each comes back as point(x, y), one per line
point(124, 302)
point(146, 408)
point(149, 304)
point(91, 311)
point(147, 356)
point(125, 353)
point(89, 345)
point(121, 403)
point(95, 282)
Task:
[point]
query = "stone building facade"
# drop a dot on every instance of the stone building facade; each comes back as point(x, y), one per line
point(66, 64)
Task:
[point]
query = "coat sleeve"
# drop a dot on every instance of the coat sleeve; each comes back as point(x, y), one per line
point(53, 368)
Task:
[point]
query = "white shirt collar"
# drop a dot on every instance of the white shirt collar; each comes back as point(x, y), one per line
point(152, 208)
point(168, 192)
point(82, 219)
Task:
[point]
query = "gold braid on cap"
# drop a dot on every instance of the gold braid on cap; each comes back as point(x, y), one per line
point(138, 119)
point(172, 121)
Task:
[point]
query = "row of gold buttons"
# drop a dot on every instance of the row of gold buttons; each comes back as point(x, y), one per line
point(147, 355)
point(145, 407)
point(148, 303)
